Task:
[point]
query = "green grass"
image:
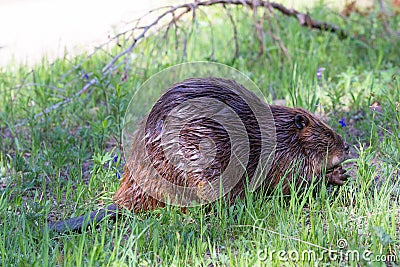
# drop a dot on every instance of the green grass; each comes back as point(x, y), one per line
point(61, 164)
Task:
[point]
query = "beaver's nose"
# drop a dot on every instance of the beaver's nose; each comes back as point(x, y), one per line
point(346, 147)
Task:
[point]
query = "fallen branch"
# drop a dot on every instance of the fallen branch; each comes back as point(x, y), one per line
point(61, 103)
point(303, 19)
point(385, 15)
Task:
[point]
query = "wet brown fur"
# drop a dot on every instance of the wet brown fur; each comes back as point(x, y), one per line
point(302, 153)
point(305, 148)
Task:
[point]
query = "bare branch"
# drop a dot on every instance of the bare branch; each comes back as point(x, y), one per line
point(385, 15)
point(276, 37)
point(303, 19)
point(235, 33)
point(259, 31)
point(59, 104)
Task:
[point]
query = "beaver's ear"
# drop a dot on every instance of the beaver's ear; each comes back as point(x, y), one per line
point(300, 121)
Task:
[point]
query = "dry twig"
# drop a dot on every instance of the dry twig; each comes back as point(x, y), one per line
point(385, 15)
point(177, 12)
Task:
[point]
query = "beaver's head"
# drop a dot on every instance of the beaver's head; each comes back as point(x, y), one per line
point(301, 133)
point(320, 142)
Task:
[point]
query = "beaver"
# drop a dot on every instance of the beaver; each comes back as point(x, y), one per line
point(187, 154)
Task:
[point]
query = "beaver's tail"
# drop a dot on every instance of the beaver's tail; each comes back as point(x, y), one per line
point(80, 223)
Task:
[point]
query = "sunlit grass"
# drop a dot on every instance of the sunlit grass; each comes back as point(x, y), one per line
point(62, 164)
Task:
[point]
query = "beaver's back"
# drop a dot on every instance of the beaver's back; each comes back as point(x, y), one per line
point(205, 133)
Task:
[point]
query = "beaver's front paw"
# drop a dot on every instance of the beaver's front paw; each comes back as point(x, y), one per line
point(337, 176)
